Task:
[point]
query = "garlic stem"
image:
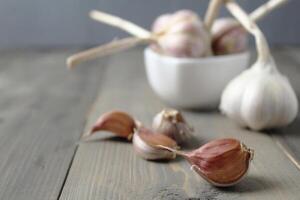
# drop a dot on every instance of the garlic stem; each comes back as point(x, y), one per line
point(265, 9)
point(103, 50)
point(261, 43)
point(120, 23)
point(212, 12)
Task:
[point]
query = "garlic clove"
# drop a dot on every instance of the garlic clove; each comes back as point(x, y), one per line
point(117, 122)
point(155, 139)
point(145, 145)
point(221, 162)
point(171, 123)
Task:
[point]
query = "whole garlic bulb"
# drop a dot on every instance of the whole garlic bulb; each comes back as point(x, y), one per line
point(261, 97)
point(181, 34)
point(171, 123)
point(228, 37)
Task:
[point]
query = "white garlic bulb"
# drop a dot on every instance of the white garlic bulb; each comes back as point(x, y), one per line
point(181, 34)
point(228, 37)
point(260, 97)
point(171, 123)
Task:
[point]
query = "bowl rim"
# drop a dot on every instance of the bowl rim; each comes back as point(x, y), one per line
point(219, 58)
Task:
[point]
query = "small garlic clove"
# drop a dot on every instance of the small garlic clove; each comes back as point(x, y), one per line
point(117, 122)
point(145, 145)
point(171, 123)
point(221, 162)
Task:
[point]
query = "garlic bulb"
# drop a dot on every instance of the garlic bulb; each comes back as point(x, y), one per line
point(228, 37)
point(145, 145)
point(171, 123)
point(261, 97)
point(181, 34)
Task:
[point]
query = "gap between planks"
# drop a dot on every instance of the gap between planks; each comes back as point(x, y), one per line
point(86, 117)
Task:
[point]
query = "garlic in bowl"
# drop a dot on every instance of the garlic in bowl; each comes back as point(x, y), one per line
point(185, 72)
point(192, 82)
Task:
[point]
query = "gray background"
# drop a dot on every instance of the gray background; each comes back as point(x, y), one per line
point(60, 23)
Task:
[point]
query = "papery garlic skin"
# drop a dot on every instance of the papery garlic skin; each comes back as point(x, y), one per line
point(228, 37)
point(181, 34)
point(260, 98)
point(171, 123)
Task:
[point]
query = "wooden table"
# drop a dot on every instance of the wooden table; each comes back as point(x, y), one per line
point(45, 108)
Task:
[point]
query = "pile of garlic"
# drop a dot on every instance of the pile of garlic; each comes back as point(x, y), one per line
point(160, 142)
point(181, 34)
point(261, 97)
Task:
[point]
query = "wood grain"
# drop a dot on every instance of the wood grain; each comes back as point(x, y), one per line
point(107, 168)
point(288, 138)
point(43, 108)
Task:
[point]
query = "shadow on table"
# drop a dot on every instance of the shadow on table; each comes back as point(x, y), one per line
point(105, 138)
point(291, 129)
point(251, 184)
point(202, 110)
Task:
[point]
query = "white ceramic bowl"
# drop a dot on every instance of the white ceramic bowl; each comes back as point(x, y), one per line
point(192, 83)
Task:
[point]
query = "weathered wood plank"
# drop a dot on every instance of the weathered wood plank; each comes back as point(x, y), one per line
point(288, 138)
point(108, 168)
point(43, 108)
